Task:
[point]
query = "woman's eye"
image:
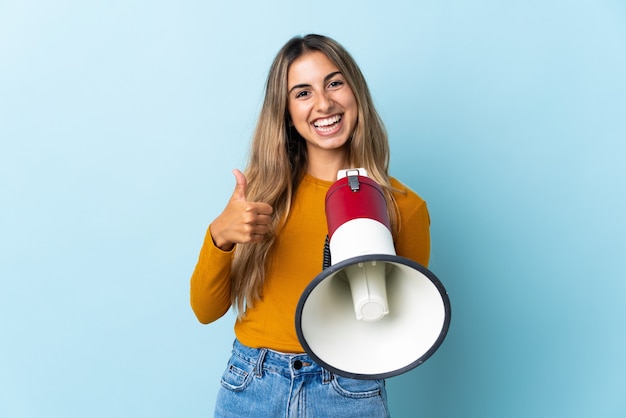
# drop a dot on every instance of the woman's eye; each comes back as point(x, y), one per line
point(301, 94)
point(335, 83)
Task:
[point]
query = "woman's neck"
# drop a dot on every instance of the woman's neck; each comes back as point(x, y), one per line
point(326, 170)
point(325, 164)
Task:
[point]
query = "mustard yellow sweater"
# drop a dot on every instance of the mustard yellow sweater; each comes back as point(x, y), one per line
point(296, 259)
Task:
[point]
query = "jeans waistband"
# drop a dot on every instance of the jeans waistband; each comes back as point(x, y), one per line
point(288, 364)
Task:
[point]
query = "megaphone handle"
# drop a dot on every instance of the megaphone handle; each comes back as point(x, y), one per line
point(327, 261)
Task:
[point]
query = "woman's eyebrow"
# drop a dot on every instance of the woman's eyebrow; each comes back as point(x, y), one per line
point(328, 77)
point(331, 75)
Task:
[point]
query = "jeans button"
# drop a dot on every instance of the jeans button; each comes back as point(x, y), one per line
point(297, 364)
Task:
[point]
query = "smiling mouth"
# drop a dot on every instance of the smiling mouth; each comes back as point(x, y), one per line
point(327, 124)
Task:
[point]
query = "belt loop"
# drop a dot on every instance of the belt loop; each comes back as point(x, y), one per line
point(327, 376)
point(258, 370)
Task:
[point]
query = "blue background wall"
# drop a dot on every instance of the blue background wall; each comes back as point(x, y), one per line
point(121, 120)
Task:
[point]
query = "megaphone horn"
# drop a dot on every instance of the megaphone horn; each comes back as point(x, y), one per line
point(370, 314)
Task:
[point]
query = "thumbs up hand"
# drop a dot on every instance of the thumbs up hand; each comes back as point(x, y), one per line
point(241, 221)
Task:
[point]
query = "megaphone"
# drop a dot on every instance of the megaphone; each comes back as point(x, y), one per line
point(369, 314)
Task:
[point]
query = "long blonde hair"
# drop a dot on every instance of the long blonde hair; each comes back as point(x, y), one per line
point(278, 157)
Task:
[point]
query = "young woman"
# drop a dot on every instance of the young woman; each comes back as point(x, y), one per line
point(267, 245)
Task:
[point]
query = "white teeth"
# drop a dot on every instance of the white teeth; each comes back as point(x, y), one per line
point(326, 122)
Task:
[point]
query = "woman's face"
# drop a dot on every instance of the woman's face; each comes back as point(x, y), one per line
point(321, 105)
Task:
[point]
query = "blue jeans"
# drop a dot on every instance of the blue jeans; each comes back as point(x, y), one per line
point(262, 383)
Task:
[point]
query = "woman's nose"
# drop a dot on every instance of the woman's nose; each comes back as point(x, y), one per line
point(324, 102)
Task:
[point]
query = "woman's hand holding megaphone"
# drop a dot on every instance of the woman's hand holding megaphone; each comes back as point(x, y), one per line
point(241, 221)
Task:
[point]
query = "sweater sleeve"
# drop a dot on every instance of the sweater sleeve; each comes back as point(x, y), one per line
point(210, 282)
point(414, 235)
point(413, 240)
